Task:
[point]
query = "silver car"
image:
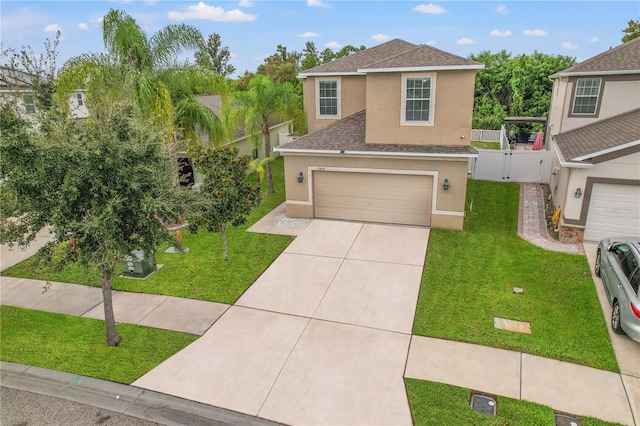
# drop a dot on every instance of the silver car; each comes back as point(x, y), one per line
point(617, 264)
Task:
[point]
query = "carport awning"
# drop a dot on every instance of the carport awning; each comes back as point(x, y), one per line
point(347, 136)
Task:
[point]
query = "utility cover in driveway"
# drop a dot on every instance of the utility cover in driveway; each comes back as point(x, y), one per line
point(373, 197)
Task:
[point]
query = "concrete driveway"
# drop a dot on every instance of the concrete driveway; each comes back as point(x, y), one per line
point(320, 338)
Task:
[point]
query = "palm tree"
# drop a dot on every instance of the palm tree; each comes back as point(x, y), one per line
point(263, 102)
point(163, 88)
point(258, 166)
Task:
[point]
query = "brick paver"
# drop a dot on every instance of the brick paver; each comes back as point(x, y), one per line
point(532, 225)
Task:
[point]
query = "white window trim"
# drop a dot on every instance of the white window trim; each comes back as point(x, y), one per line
point(576, 96)
point(338, 89)
point(79, 99)
point(432, 99)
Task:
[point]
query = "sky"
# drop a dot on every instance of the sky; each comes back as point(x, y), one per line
point(252, 29)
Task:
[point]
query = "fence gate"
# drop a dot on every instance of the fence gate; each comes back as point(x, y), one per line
point(511, 166)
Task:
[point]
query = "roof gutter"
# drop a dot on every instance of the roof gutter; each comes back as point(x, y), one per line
point(383, 153)
point(592, 73)
point(327, 74)
point(426, 68)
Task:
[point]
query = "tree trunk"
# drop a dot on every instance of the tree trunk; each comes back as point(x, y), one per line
point(113, 339)
point(223, 231)
point(267, 153)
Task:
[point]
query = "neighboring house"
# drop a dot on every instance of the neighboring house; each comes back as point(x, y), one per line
point(278, 131)
point(594, 131)
point(389, 141)
point(17, 86)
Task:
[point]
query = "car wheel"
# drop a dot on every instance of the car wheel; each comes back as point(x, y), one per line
point(615, 319)
point(598, 263)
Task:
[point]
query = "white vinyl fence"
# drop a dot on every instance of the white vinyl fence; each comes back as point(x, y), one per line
point(511, 166)
point(485, 135)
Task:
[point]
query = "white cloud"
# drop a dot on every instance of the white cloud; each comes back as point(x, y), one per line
point(151, 2)
point(431, 43)
point(52, 28)
point(594, 40)
point(569, 45)
point(245, 3)
point(465, 40)
point(380, 37)
point(307, 34)
point(83, 26)
point(498, 33)
point(502, 9)
point(430, 9)
point(96, 20)
point(201, 11)
point(333, 45)
point(535, 33)
point(316, 3)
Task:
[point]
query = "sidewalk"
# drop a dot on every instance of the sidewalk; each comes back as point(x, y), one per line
point(566, 387)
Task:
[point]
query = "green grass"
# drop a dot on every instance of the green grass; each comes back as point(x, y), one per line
point(199, 274)
point(78, 345)
point(485, 145)
point(439, 404)
point(469, 276)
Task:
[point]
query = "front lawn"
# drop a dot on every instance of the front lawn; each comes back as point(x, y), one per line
point(199, 274)
point(469, 276)
point(77, 345)
point(439, 404)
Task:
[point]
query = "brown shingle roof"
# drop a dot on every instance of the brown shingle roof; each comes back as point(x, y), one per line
point(348, 135)
point(605, 135)
point(625, 57)
point(424, 56)
point(393, 54)
point(363, 58)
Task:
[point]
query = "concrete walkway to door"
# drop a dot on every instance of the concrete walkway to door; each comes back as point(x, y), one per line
point(321, 337)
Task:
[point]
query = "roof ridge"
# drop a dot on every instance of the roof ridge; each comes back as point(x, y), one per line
point(602, 55)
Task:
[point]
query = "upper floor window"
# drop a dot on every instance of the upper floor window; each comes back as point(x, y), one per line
point(586, 97)
point(328, 95)
point(29, 104)
point(79, 99)
point(418, 94)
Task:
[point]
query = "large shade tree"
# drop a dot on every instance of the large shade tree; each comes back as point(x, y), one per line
point(261, 105)
point(101, 184)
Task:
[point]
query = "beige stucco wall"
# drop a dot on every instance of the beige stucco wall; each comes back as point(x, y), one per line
point(452, 113)
point(447, 210)
point(351, 99)
point(620, 168)
point(618, 96)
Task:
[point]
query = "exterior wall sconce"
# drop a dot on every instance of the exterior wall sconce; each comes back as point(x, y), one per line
point(300, 177)
point(578, 193)
point(445, 185)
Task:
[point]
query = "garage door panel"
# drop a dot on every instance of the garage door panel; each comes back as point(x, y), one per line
point(373, 197)
point(614, 210)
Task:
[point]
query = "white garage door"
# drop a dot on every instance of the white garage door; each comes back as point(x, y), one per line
point(373, 197)
point(614, 210)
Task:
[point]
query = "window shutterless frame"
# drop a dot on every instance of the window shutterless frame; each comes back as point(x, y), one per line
point(418, 99)
point(328, 98)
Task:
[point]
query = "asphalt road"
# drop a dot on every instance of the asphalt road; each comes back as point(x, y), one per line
point(21, 408)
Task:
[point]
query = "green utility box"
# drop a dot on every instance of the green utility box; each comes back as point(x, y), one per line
point(138, 264)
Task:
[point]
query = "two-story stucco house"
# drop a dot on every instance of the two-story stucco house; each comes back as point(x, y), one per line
point(16, 86)
point(594, 131)
point(389, 138)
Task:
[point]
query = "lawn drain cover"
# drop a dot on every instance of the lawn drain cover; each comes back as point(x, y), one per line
point(484, 404)
point(565, 420)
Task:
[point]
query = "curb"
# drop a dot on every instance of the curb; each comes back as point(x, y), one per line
point(125, 399)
